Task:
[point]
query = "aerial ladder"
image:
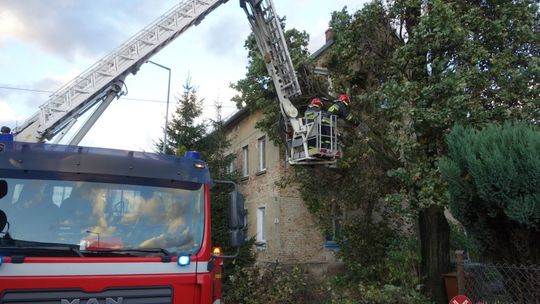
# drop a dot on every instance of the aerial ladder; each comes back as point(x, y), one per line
point(308, 142)
point(99, 85)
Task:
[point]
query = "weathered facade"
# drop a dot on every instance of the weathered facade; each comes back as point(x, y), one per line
point(284, 229)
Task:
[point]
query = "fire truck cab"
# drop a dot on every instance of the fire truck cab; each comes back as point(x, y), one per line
point(94, 225)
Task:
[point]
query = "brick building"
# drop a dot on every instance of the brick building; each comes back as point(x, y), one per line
point(284, 229)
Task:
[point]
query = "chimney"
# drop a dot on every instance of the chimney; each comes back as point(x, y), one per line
point(329, 35)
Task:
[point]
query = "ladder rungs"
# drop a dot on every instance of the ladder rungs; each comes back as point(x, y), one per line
point(105, 74)
point(167, 28)
point(127, 57)
point(81, 91)
point(147, 42)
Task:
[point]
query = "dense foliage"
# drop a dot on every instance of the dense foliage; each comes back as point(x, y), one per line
point(270, 284)
point(494, 185)
point(357, 187)
point(463, 62)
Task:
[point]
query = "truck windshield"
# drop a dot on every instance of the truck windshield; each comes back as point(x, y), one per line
point(96, 215)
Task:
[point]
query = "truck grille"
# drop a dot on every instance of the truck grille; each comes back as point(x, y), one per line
point(154, 295)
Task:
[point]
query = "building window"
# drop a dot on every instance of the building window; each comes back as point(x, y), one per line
point(336, 228)
point(229, 168)
point(261, 222)
point(245, 163)
point(262, 154)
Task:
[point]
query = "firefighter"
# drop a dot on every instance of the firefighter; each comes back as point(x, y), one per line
point(313, 109)
point(341, 108)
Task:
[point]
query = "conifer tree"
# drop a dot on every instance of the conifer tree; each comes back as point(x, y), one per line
point(189, 131)
point(185, 132)
point(494, 184)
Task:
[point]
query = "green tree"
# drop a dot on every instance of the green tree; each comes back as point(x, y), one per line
point(494, 185)
point(360, 60)
point(215, 145)
point(464, 62)
point(359, 184)
point(445, 63)
point(207, 137)
point(184, 133)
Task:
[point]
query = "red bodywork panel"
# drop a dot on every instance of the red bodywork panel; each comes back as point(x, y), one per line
point(184, 288)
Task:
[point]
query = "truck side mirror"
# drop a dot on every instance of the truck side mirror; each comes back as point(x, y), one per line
point(237, 222)
point(3, 220)
point(3, 188)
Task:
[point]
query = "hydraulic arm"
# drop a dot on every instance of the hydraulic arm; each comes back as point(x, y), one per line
point(272, 44)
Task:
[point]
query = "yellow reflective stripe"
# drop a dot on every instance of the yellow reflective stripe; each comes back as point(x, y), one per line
point(310, 115)
point(333, 108)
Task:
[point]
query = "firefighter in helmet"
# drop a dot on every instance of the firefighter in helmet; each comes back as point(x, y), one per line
point(316, 108)
point(313, 109)
point(341, 108)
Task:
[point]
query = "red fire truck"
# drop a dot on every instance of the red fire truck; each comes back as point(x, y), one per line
point(92, 225)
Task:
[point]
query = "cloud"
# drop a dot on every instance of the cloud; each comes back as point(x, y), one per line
point(10, 25)
point(75, 28)
point(7, 114)
point(16, 105)
point(223, 36)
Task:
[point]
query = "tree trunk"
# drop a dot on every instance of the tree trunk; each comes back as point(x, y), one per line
point(435, 250)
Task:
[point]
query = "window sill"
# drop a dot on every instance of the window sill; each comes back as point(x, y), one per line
point(331, 246)
point(244, 178)
point(261, 172)
point(260, 245)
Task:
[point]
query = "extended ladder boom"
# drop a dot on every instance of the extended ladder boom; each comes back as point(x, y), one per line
point(100, 82)
point(266, 27)
point(305, 143)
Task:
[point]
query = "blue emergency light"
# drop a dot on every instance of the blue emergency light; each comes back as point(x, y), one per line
point(5, 134)
point(192, 154)
point(1, 260)
point(6, 137)
point(183, 260)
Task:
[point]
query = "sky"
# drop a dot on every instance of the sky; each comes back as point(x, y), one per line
point(45, 44)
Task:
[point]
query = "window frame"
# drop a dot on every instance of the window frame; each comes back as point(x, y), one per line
point(245, 161)
point(229, 168)
point(261, 145)
point(261, 223)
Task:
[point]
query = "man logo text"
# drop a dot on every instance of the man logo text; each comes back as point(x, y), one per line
point(118, 300)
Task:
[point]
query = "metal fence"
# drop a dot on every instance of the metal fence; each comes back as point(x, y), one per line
point(499, 283)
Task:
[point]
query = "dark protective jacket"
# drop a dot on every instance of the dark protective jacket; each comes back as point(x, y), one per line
point(311, 112)
point(341, 111)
